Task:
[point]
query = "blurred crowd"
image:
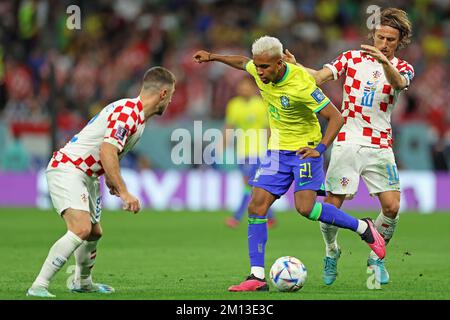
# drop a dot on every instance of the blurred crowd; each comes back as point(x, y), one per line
point(118, 40)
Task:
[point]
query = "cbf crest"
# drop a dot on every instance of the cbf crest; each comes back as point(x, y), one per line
point(285, 102)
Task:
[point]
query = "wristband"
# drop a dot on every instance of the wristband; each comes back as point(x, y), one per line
point(321, 148)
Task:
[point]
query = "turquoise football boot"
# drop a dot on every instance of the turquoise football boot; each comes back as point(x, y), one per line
point(382, 275)
point(330, 269)
point(39, 292)
point(92, 288)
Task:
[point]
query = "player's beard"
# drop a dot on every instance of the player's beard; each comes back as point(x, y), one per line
point(161, 109)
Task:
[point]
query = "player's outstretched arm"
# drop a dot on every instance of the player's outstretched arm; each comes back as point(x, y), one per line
point(110, 161)
point(321, 76)
point(238, 62)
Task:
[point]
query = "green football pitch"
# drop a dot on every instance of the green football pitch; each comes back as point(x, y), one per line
point(192, 255)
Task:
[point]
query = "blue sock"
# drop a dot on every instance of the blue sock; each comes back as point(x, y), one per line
point(328, 213)
point(244, 203)
point(257, 238)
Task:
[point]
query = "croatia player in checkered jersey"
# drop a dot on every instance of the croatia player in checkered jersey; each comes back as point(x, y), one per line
point(374, 78)
point(73, 179)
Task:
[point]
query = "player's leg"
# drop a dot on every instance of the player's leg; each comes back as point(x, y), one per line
point(271, 221)
point(69, 196)
point(385, 223)
point(257, 238)
point(383, 181)
point(309, 179)
point(86, 253)
point(329, 214)
point(257, 229)
point(78, 229)
point(85, 256)
point(234, 220)
point(272, 180)
point(387, 220)
point(332, 249)
point(329, 232)
point(342, 180)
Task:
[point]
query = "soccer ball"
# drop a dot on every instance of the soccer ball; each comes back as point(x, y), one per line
point(288, 274)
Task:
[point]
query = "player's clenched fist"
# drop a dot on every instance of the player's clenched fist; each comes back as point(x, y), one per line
point(130, 203)
point(202, 56)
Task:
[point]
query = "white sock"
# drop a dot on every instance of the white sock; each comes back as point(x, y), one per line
point(57, 257)
point(258, 272)
point(385, 226)
point(329, 233)
point(85, 256)
point(362, 226)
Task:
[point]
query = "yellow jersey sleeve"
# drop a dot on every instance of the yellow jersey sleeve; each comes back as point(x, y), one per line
point(251, 68)
point(314, 98)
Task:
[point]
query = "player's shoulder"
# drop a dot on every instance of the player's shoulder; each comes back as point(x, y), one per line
point(124, 105)
point(297, 70)
point(127, 102)
point(403, 65)
point(250, 66)
point(351, 54)
point(300, 75)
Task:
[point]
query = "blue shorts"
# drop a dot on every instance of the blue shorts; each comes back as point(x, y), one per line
point(280, 168)
point(249, 166)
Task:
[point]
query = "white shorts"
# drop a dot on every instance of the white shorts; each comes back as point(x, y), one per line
point(350, 162)
point(69, 187)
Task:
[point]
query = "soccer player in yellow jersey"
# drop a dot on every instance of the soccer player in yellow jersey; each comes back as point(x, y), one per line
point(246, 119)
point(295, 150)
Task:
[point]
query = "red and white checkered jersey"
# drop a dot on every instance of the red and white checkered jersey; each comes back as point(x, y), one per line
point(120, 123)
point(368, 98)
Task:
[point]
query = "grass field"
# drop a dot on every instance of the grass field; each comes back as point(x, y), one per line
point(187, 255)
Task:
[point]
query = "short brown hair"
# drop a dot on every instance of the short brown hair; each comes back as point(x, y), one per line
point(156, 77)
point(397, 19)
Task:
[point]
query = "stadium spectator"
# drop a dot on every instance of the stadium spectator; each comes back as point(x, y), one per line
point(118, 39)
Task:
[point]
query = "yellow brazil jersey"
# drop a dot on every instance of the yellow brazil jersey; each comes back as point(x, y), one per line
point(251, 117)
point(292, 104)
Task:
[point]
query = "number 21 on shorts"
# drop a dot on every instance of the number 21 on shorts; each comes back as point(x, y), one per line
point(305, 170)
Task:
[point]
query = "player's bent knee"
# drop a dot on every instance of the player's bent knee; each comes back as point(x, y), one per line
point(83, 232)
point(257, 209)
point(334, 200)
point(96, 233)
point(391, 209)
point(304, 210)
